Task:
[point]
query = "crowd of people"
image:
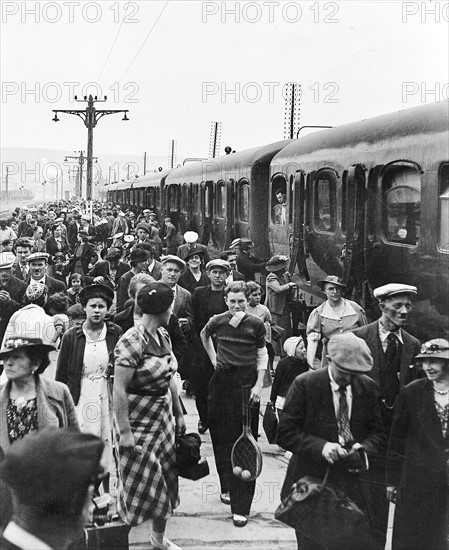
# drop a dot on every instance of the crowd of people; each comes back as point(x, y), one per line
point(106, 315)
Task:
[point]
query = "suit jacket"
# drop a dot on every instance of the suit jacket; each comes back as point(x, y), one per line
point(308, 421)
point(17, 271)
point(182, 307)
point(122, 289)
point(101, 269)
point(16, 289)
point(72, 233)
point(201, 311)
point(52, 246)
point(53, 285)
point(39, 245)
point(410, 349)
point(156, 272)
point(55, 407)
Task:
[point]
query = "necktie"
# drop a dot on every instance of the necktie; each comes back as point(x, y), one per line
point(344, 428)
point(390, 379)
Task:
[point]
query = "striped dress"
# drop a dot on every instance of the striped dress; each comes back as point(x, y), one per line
point(150, 480)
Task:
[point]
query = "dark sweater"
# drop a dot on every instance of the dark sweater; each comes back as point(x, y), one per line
point(286, 371)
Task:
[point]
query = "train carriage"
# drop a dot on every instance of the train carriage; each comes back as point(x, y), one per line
point(368, 201)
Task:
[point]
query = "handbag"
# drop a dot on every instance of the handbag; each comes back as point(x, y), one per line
point(324, 514)
point(277, 332)
point(270, 422)
point(110, 536)
point(190, 463)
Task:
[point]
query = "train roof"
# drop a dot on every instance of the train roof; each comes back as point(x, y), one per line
point(424, 119)
point(149, 179)
point(226, 163)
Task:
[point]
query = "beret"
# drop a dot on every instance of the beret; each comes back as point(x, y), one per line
point(51, 470)
point(155, 298)
point(391, 289)
point(191, 237)
point(223, 264)
point(350, 353)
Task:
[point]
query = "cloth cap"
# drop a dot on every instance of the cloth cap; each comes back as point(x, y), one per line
point(350, 353)
point(235, 243)
point(138, 255)
point(438, 348)
point(155, 298)
point(7, 260)
point(331, 279)
point(143, 226)
point(292, 343)
point(191, 237)
point(174, 259)
point(223, 264)
point(391, 289)
point(277, 262)
point(113, 253)
point(38, 256)
point(51, 470)
point(91, 291)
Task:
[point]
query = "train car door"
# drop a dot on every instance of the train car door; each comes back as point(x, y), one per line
point(186, 193)
point(354, 195)
point(223, 217)
point(242, 198)
point(207, 195)
point(280, 223)
point(298, 247)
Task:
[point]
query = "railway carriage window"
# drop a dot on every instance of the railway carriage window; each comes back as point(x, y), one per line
point(244, 202)
point(444, 207)
point(279, 199)
point(141, 197)
point(290, 199)
point(173, 198)
point(324, 200)
point(221, 199)
point(207, 201)
point(151, 202)
point(401, 186)
point(185, 198)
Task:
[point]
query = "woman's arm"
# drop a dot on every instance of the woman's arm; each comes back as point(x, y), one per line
point(177, 409)
point(122, 379)
point(312, 346)
point(209, 347)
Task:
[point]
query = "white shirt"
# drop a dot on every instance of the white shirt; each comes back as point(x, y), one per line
point(23, 539)
point(42, 281)
point(336, 399)
point(230, 278)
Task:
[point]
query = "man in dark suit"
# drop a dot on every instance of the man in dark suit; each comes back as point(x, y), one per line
point(393, 350)
point(331, 418)
point(22, 247)
point(138, 260)
point(72, 230)
point(207, 301)
point(12, 291)
point(38, 262)
point(172, 267)
point(108, 271)
point(231, 257)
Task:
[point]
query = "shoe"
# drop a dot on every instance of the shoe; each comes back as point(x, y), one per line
point(165, 545)
point(239, 521)
point(202, 428)
point(225, 498)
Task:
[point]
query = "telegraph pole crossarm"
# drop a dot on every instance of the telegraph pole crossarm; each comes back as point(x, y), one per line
point(90, 117)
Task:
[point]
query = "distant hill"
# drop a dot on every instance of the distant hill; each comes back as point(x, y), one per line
point(31, 167)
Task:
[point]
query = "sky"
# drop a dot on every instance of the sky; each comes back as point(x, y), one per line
point(178, 66)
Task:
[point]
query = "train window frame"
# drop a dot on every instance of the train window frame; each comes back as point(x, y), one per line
point(443, 213)
point(388, 173)
point(221, 202)
point(185, 198)
point(173, 198)
point(243, 199)
point(141, 197)
point(151, 197)
point(344, 203)
point(279, 211)
point(317, 204)
point(208, 199)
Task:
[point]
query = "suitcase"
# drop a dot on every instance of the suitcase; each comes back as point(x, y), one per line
point(110, 536)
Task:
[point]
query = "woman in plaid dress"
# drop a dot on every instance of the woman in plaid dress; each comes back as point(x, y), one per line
point(148, 413)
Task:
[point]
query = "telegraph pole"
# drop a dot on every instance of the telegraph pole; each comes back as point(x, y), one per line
point(79, 180)
point(90, 117)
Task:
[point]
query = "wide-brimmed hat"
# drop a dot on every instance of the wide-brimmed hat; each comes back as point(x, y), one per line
point(191, 237)
point(222, 264)
point(155, 297)
point(172, 258)
point(331, 280)
point(277, 262)
point(350, 353)
point(191, 252)
point(392, 289)
point(437, 348)
point(95, 290)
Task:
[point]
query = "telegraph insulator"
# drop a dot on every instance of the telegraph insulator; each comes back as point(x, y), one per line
point(228, 150)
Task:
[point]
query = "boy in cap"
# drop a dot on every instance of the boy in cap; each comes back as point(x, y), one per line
point(331, 416)
point(51, 476)
point(393, 350)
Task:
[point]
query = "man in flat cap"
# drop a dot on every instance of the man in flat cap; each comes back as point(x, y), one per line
point(393, 350)
point(51, 476)
point(172, 267)
point(331, 417)
point(38, 262)
point(191, 243)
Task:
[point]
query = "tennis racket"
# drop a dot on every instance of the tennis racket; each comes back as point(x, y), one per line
point(246, 458)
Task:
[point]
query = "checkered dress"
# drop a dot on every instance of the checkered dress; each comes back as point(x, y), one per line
point(150, 480)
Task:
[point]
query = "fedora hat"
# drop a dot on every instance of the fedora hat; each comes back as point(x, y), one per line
point(332, 280)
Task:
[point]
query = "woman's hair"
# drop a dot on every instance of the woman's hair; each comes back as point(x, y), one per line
point(140, 278)
point(252, 286)
point(98, 293)
point(38, 355)
point(237, 286)
point(57, 303)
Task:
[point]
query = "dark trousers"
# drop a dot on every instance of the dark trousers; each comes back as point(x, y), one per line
point(225, 425)
point(201, 371)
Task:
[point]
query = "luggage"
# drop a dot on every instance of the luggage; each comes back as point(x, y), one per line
point(270, 422)
point(110, 536)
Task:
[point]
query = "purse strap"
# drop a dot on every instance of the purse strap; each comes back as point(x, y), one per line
point(326, 475)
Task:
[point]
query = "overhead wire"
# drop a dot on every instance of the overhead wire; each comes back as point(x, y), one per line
point(144, 42)
point(112, 47)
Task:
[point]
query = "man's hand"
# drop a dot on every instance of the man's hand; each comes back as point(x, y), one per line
point(4, 295)
point(392, 494)
point(99, 280)
point(332, 452)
